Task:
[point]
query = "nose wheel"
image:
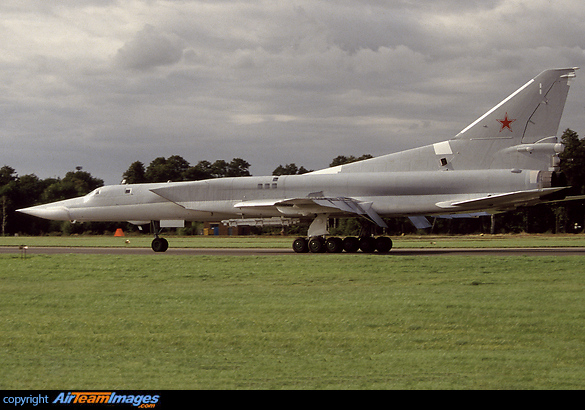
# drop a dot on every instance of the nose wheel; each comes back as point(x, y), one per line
point(159, 244)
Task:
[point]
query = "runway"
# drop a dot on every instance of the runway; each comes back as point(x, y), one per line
point(566, 251)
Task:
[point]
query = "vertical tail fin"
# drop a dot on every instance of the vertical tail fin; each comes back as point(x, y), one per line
point(530, 114)
point(518, 133)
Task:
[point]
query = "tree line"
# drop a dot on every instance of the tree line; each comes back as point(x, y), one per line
point(176, 168)
point(28, 190)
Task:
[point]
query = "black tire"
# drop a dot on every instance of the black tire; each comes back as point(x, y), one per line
point(351, 245)
point(300, 245)
point(317, 245)
point(334, 245)
point(160, 245)
point(383, 244)
point(368, 244)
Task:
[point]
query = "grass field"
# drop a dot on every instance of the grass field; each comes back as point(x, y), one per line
point(286, 322)
point(426, 241)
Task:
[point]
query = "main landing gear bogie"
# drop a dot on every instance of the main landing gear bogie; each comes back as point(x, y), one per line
point(319, 244)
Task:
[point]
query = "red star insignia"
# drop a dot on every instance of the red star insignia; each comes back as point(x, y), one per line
point(506, 123)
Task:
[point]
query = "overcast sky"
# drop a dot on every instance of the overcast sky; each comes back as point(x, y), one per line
point(103, 83)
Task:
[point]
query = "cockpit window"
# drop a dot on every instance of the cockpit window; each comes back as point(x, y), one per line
point(89, 196)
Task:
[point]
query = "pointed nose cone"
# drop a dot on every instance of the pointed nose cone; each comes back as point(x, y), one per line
point(54, 212)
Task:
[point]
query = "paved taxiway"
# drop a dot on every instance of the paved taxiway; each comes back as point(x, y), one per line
point(271, 251)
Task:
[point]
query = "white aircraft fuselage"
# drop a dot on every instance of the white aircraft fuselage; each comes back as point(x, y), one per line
point(392, 194)
point(507, 158)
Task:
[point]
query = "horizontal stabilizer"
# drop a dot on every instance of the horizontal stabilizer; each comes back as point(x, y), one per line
point(567, 199)
point(510, 199)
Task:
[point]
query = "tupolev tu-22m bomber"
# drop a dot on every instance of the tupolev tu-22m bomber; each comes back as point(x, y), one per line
point(507, 158)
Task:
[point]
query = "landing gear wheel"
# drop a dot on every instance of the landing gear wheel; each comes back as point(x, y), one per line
point(159, 245)
point(300, 245)
point(317, 245)
point(383, 244)
point(334, 245)
point(351, 245)
point(368, 244)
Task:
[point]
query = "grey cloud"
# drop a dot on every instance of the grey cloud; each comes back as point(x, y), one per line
point(271, 81)
point(150, 48)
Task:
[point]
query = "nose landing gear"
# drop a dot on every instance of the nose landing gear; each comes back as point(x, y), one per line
point(159, 244)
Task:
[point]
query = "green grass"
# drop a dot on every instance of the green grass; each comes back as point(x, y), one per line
point(470, 241)
point(291, 322)
point(143, 241)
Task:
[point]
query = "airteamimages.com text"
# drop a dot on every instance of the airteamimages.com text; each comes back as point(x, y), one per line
point(144, 401)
